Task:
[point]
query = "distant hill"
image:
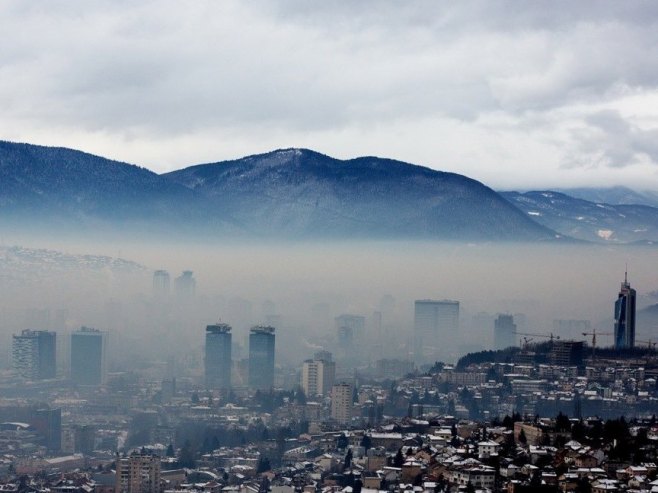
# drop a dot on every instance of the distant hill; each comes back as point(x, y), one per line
point(300, 193)
point(612, 195)
point(57, 187)
point(586, 220)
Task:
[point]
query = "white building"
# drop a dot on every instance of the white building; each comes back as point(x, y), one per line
point(341, 403)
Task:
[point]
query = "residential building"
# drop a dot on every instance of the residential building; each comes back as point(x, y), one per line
point(318, 376)
point(34, 354)
point(138, 473)
point(342, 402)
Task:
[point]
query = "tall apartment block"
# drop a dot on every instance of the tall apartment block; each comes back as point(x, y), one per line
point(318, 375)
point(138, 473)
point(341, 403)
point(88, 356)
point(34, 354)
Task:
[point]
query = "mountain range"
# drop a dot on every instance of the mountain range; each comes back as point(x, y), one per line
point(294, 194)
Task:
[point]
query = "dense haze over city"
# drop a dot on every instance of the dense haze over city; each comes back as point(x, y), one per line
point(328, 247)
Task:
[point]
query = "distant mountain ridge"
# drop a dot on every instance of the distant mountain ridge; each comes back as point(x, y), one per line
point(589, 221)
point(290, 194)
point(55, 185)
point(612, 195)
point(302, 193)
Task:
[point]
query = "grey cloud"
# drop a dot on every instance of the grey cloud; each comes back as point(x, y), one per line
point(357, 70)
point(610, 140)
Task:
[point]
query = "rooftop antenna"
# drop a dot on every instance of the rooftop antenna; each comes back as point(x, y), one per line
point(626, 274)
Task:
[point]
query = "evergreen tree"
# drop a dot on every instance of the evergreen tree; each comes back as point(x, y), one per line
point(522, 437)
point(348, 459)
point(398, 461)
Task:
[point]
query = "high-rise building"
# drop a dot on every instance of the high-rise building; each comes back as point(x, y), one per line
point(218, 356)
point(161, 284)
point(34, 354)
point(625, 316)
point(342, 403)
point(48, 422)
point(261, 357)
point(355, 323)
point(88, 356)
point(504, 331)
point(185, 285)
point(318, 375)
point(138, 473)
point(567, 353)
point(436, 326)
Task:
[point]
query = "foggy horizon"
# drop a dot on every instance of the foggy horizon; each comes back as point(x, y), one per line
point(542, 282)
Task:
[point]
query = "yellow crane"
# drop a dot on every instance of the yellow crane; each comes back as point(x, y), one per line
point(593, 334)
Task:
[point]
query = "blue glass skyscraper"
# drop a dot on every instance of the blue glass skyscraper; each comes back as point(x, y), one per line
point(625, 316)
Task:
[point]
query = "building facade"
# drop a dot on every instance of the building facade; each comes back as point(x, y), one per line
point(218, 356)
point(504, 331)
point(342, 403)
point(88, 356)
point(436, 329)
point(261, 357)
point(625, 316)
point(318, 376)
point(161, 284)
point(34, 354)
point(138, 473)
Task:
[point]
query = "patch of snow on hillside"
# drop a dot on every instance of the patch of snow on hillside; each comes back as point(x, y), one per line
point(606, 234)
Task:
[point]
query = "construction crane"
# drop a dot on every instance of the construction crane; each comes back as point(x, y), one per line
point(526, 342)
point(650, 344)
point(547, 336)
point(593, 334)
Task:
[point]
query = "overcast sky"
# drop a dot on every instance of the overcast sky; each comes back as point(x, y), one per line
point(516, 94)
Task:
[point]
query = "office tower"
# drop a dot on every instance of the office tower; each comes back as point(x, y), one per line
point(218, 356)
point(341, 403)
point(48, 422)
point(88, 360)
point(261, 357)
point(161, 284)
point(34, 354)
point(436, 325)
point(185, 285)
point(504, 331)
point(318, 375)
point(138, 473)
point(355, 323)
point(625, 316)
